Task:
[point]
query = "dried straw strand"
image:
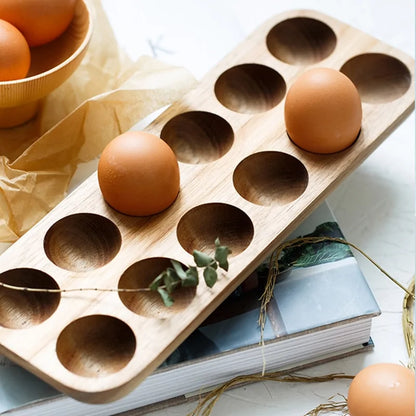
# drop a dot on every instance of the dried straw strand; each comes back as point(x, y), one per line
point(206, 404)
point(330, 407)
point(408, 324)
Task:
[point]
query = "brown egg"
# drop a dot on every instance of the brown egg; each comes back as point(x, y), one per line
point(323, 111)
point(138, 174)
point(383, 389)
point(40, 21)
point(14, 53)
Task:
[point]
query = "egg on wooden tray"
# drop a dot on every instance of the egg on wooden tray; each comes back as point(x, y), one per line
point(383, 389)
point(323, 111)
point(138, 174)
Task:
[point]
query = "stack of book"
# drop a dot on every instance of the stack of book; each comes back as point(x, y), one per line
point(322, 309)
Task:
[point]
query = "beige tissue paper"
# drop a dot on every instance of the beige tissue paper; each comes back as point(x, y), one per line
point(105, 96)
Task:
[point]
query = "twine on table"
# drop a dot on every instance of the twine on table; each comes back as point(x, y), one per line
point(332, 406)
point(408, 324)
point(205, 406)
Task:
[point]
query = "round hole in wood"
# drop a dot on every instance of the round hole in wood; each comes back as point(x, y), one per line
point(250, 88)
point(23, 309)
point(82, 242)
point(198, 136)
point(301, 41)
point(199, 228)
point(378, 77)
point(150, 304)
point(96, 346)
point(267, 178)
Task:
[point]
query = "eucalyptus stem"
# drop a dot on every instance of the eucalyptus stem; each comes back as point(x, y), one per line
point(176, 276)
point(165, 283)
point(220, 260)
point(77, 289)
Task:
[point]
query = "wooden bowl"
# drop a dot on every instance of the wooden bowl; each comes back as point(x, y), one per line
point(51, 65)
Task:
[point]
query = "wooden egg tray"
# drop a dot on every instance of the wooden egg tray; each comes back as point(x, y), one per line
point(242, 180)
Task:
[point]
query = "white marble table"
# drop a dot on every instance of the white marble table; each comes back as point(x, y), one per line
point(374, 205)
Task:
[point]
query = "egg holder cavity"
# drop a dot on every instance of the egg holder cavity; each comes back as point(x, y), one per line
point(242, 180)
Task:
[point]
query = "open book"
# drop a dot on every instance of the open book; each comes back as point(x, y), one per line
point(322, 309)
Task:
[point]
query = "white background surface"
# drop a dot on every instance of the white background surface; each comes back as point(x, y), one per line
point(374, 205)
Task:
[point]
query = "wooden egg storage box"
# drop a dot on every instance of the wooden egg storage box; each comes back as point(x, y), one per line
point(242, 180)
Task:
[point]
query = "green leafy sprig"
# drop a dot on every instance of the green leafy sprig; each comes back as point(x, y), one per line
point(176, 276)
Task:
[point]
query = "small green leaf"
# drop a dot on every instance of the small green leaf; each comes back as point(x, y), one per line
point(221, 255)
point(171, 280)
point(224, 265)
point(179, 275)
point(179, 269)
point(167, 300)
point(192, 278)
point(202, 259)
point(157, 281)
point(210, 276)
